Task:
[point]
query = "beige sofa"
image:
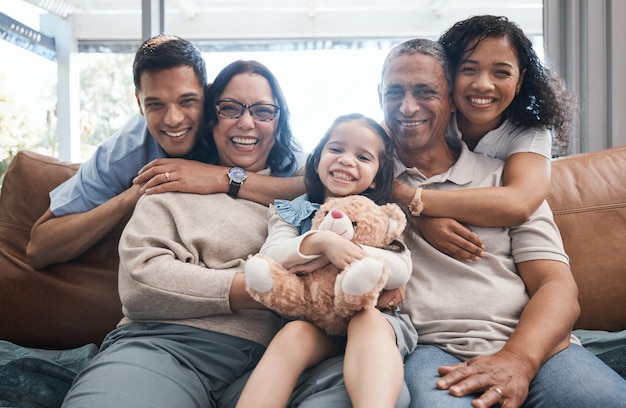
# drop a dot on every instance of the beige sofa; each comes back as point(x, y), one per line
point(68, 305)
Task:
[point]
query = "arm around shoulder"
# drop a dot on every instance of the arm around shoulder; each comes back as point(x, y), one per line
point(265, 189)
point(526, 181)
point(189, 176)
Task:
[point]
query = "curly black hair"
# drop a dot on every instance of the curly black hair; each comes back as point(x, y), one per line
point(543, 99)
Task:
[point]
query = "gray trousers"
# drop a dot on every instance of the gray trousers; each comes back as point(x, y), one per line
point(162, 365)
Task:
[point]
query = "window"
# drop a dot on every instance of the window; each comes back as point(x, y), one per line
point(321, 79)
point(27, 94)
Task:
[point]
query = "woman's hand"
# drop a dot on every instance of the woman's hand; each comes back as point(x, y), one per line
point(391, 298)
point(501, 378)
point(450, 237)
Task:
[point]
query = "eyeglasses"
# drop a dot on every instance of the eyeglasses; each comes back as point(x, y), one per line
point(263, 112)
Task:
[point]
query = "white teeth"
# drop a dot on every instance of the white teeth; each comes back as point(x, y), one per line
point(342, 176)
point(414, 123)
point(247, 141)
point(177, 134)
point(481, 101)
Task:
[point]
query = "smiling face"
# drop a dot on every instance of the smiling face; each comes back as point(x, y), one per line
point(349, 160)
point(172, 101)
point(243, 141)
point(415, 98)
point(486, 81)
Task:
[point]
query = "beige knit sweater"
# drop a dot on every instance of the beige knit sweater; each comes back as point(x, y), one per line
point(179, 254)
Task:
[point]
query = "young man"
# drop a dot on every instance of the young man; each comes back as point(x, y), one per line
point(147, 156)
point(496, 330)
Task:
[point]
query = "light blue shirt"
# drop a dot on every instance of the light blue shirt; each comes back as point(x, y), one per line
point(113, 166)
point(298, 212)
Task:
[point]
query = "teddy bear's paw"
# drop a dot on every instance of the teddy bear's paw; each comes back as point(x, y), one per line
point(258, 275)
point(362, 277)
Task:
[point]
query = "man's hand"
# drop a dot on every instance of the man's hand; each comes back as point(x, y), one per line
point(502, 378)
point(450, 237)
point(187, 176)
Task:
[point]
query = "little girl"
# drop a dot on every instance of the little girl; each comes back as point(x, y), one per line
point(353, 157)
point(508, 106)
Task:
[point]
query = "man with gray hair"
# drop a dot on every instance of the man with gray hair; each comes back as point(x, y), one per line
point(496, 330)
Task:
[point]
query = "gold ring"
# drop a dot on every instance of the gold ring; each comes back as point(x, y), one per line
point(167, 176)
point(498, 390)
point(391, 304)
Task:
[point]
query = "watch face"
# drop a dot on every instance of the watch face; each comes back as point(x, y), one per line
point(237, 174)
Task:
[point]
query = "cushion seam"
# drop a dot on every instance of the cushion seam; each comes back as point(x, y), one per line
point(593, 208)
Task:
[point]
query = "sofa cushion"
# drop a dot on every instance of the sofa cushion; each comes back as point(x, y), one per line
point(62, 306)
point(588, 198)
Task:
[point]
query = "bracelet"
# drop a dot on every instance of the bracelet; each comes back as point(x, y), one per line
point(416, 206)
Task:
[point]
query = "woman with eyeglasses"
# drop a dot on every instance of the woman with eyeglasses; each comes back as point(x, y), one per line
point(190, 330)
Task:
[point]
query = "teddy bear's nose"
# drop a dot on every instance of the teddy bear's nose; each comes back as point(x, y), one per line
point(336, 214)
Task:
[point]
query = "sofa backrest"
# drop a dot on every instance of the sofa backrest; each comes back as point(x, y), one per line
point(74, 303)
point(588, 199)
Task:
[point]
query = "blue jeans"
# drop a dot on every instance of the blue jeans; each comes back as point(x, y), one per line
point(573, 378)
point(616, 359)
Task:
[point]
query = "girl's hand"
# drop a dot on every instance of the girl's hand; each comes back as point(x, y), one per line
point(341, 252)
point(338, 250)
point(312, 266)
point(450, 237)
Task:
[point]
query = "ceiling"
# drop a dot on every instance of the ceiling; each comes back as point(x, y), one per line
point(279, 19)
point(120, 25)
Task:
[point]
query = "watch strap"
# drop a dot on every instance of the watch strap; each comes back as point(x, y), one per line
point(233, 188)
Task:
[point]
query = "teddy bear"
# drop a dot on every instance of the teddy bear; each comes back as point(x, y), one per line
point(329, 297)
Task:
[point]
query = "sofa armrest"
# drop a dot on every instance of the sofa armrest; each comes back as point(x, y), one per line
point(65, 305)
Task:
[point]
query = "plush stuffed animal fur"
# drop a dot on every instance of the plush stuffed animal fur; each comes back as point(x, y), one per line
point(328, 297)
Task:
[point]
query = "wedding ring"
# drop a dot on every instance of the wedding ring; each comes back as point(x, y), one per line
point(167, 176)
point(498, 390)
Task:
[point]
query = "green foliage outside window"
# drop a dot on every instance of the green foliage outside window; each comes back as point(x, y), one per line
point(107, 97)
point(106, 102)
point(25, 127)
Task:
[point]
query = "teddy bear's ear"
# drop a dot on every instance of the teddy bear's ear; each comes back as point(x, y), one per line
point(397, 220)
